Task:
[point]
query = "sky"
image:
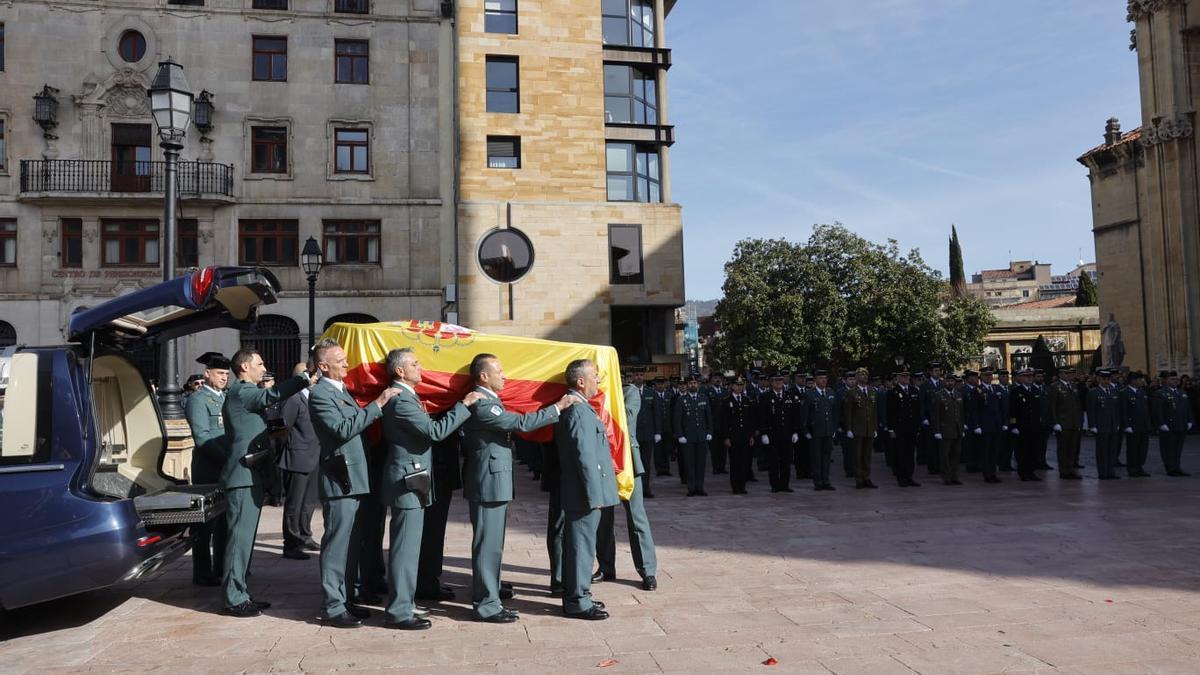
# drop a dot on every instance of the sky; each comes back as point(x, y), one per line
point(896, 118)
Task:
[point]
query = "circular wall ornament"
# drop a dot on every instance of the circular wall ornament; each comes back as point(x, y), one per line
point(505, 255)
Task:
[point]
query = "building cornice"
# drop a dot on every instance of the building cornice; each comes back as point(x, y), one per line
point(1140, 9)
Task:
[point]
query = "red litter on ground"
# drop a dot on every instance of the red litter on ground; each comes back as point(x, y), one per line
point(1109, 601)
point(771, 662)
point(607, 663)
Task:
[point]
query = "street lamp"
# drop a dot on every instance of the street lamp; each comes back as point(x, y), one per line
point(311, 259)
point(171, 104)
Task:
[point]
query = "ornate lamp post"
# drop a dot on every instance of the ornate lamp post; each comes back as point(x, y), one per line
point(171, 103)
point(311, 260)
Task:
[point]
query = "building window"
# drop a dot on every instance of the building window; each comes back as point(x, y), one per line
point(351, 242)
point(129, 242)
point(187, 249)
point(269, 149)
point(504, 152)
point(71, 240)
point(500, 16)
point(630, 95)
point(191, 3)
point(625, 254)
point(633, 173)
point(270, 4)
point(3, 145)
point(503, 90)
point(352, 6)
point(270, 59)
point(267, 242)
point(352, 151)
point(131, 46)
point(505, 255)
point(353, 59)
point(8, 242)
point(1, 46)
point(628, 22)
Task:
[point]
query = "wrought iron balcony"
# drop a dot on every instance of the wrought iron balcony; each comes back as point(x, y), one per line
point(195, 179)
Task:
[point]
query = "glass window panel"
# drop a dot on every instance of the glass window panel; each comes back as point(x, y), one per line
point(643, 190)
point(616, 109)
point(500, 23)
point(345, 68)
point(501, 74)
point(373, 250)
point(641, 163)
point(74, 251)
point(505, 255)
point(502, 102)
point(131, 250)
point(289, 250)
point(270, 252)
point(616, 79)
point(616, 31)
point(331, 250)
point(655, 193)
point(360, 158)
point(653, 159)
point(616, 7)
point(151, 252)
point(10, 251)
point(620, 188)
point(620, 157)
point(343, 158)
point(351, 250)
point(112, 251)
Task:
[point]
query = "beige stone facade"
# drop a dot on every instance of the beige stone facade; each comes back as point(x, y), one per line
point(558, 197)
point(1145, 192)
point(1072, 333)
point(404, 104)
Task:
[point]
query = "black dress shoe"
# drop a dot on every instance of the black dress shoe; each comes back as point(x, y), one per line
point(310, 545)
point(1180, 473)
point(860, 486)
point(740, 492)
point(245, 610)
point(1035, 478)
point(871, 485)
point(650, 584)
point(1110, 477)
point(913, 483)
point(506, 593)
point(408, 624)
point(436, 596)
point(1073, 476)
point(594, 613)
point(343, 620)
point(701, 493)
point(260, 604)
point(597, 604)
point(206, 581)
point(295, 554)
point(597, 577)
point(503, 616)
point(829, 487)
point(818, 488)
point(557, 591)
point(1078, 465)
point(1119, 465)
point(664, 473)
point(785, 490)
point(752, 479)
point(358, 612)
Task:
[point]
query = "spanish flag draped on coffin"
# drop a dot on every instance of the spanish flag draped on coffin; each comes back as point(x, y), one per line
point(533, 371)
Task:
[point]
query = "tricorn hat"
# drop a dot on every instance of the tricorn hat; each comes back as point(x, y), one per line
point(213, 360)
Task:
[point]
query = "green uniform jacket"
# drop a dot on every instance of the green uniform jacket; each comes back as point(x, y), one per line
point(245, 428)
point(693, 418)
point(1173, 408)
point(946, 418)
point(488, 469)
point(1104, 410)
point(586, 468)
point(339, 423)
point(410, 433)
point(860, 412)
point(821, 412)
point(633, 407)
point(1065, 407)
point(203, 413)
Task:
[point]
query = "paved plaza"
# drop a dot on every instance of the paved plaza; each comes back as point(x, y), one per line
point(1019, 577)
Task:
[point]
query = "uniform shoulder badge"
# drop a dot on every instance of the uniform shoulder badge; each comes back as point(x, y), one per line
point(496, 410)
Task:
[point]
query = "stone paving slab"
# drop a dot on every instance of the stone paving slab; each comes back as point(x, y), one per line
point(1053, 577)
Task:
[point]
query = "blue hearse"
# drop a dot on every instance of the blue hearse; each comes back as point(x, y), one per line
point(84, 503)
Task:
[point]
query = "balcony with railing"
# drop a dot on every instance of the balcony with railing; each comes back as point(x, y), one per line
point(41, 178)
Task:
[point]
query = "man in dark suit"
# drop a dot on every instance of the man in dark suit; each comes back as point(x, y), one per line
point(647, 429)
point(740, 427)
point(662, 424)
point(779, 426)
point(904, 417)
point(1025, 406)
point(299, 465)
point(992, 422)
point(1005, 441)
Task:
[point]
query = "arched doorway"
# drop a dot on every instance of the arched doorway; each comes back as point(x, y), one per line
point(8, 334)
point(351, 317)
point(277, 338)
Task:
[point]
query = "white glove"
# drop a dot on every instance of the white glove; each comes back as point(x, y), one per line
point(978, 431)
point(795, 438)
point(876, 435)
point(850, 434)
point(1129, 430)
point(1004, 427)
point(808, 435)
point(1095, 430)
point(657, 438)
point(765, 440)
point(682, 440)
point(1164, 428)
point(1058, 427)
point(708, 437)
point(1016, 431)
point(938, 436)
point(924, 423)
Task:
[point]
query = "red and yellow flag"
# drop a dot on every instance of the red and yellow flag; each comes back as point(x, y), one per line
point(533, 371)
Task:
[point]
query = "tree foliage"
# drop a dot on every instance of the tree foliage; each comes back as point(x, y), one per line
point(958, 278)
point(839, 300)
point(1086, 295)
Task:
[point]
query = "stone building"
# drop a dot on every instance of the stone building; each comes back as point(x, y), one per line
point(567, 229)
point(1072, 333)
point(331, 119)
point(1018, 283)
point(1146, 196)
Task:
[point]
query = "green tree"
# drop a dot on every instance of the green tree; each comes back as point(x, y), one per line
point(1041, 357)
point(1086, 295)
point(958, 278)
point(844, 301)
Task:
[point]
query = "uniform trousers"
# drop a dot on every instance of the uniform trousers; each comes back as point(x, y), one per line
point(243, 505)
point(716, 448)
point(578, 555)
point(741, 463)
point(1136, 448)
point(858, 450)
point(433, 544)
point(696, 455)
point(556, 521)
point(988, 447)
point(1170, 446)
point(340, 550)
point(662, 457)
point(641, 542)
point(820, 453)
point(208, 549)
point(488, 521)
point(904, 448)
point(951, 455)
point(403, 560)
point(1067, 445)
point(1106, 453)
point(800, 458)
point(970, 451)
point(1027, 442)
point(1004, 451)
point(779, 452)
point(300, 500)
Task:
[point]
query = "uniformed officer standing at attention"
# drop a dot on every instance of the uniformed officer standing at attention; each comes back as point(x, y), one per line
point(647, 427)
point(662, 427)
point(488, 479)
point(1136, 423)
point(1066, 414)
point(740, 427)
point(929, 446)
point(1006, 440)
point(778, 426)
point(339, 423)
point(694, 429)
point(973, 404)
point(637, 523)
point(244, 486)
point(1025, 427)
point(586, 485)
point(821, 425)
point(946, 420)
point(859, 410)
point(717, 393)
point(407, 485)
point(993, 425)
point(799, 393)
point(1173, 416)
point(203, 413)
point(904, 416)
point(1041, 388)
point(1104, 415)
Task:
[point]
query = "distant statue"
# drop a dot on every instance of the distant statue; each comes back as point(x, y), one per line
point(1112, 349)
